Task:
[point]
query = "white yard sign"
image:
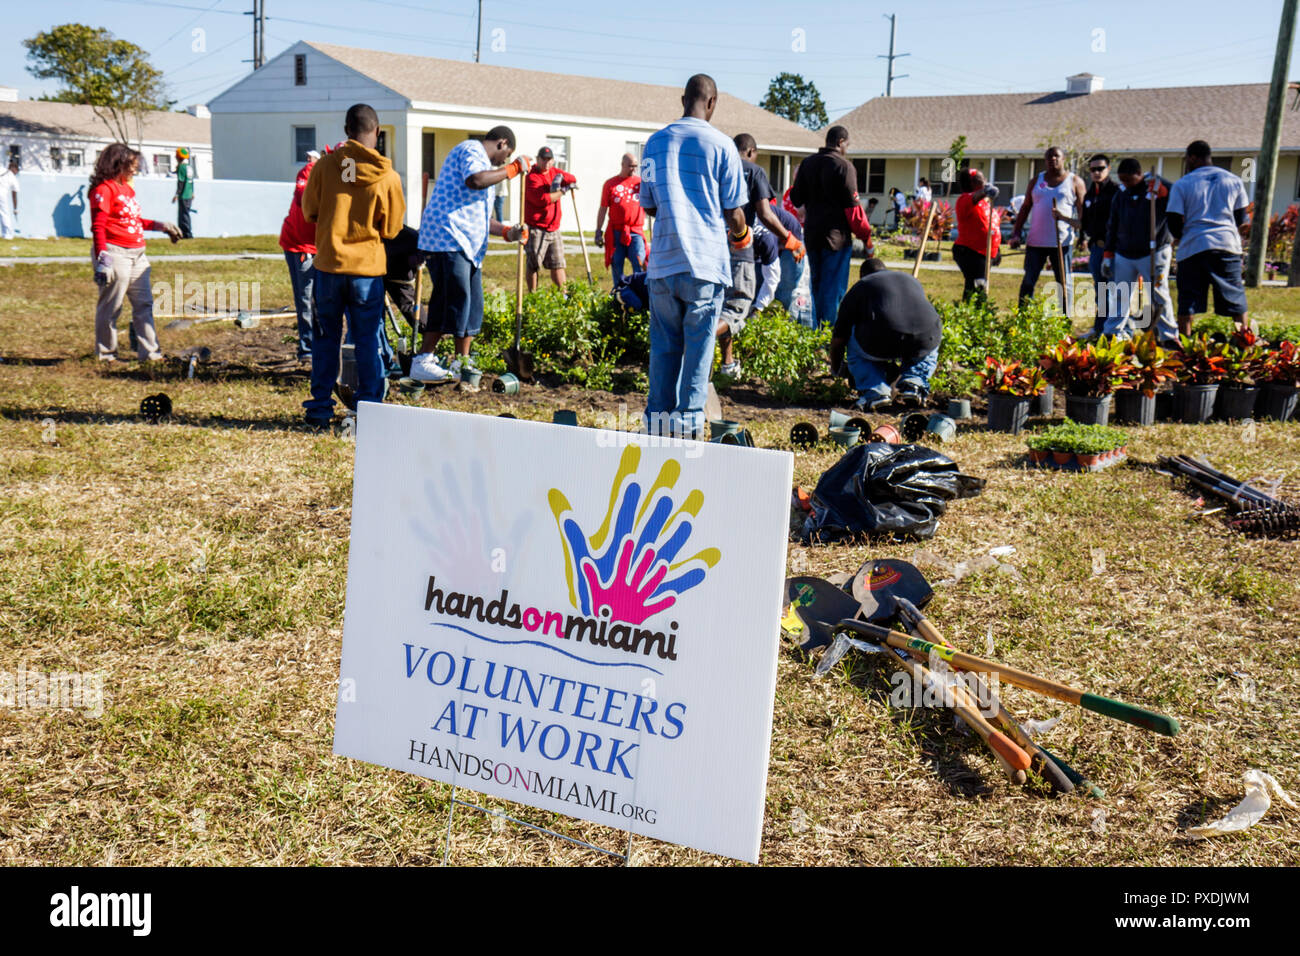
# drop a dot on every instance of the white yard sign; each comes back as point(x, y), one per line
point(566, 617)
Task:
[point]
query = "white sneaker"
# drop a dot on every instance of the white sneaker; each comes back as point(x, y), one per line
point(425, 368)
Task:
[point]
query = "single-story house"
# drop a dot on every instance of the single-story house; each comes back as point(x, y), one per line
point(263, 125)
point(894, 141)
point(48, 137)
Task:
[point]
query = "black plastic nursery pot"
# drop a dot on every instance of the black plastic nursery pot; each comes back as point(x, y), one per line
point(1008, 413)
point(1236, 403)
point(1278, 401)
point(1134, 408)
point(1087, 410)
point(1042, 404)
point(1195, 403)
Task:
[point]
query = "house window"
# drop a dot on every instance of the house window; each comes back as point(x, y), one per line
point(871, 175)
point(1223, 162)
point(304, 139)
point(1003, 172)
point(162, 164)
point(56, 157)
point(381, 144)
point(73, 158)
point(560, 147)
point(938, 185)
point(631, 147)
point(300, 69)
point(16, 156)
point(776, 172)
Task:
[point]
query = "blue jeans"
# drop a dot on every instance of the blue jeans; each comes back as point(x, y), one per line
point(302, 274)
point(684, 314)
point(791, 274)
point(499, 208)
point(830, 280)
point(1096, 255)
point(871, 375)
point(634, 250)
point(362, 298)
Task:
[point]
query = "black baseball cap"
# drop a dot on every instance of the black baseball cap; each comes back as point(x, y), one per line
point(545, 153)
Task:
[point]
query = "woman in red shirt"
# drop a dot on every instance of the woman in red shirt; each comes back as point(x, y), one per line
point(117, 250)
point(973, 229)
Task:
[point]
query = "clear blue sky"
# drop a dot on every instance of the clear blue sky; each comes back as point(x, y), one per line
point(955, 47)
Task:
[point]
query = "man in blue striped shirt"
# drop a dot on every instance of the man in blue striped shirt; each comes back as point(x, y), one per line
point(693, 186)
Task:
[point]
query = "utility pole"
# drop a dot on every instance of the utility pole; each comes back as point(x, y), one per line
point(1266, 165)
point(258, 13)
point(478, 35)
point(889, 79)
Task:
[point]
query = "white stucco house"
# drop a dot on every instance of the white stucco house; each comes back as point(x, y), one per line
point(50, 137)
point(263, 125)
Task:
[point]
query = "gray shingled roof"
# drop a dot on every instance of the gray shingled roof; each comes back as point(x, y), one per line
point(38, 117)
point(1229, 118)
point(510, 90)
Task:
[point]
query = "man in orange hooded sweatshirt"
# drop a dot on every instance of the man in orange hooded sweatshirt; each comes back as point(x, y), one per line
point(354, 196)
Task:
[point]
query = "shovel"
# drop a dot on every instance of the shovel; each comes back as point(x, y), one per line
point(586, 260)
point(518, 362)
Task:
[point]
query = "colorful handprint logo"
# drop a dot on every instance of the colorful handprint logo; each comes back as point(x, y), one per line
point(631, 564)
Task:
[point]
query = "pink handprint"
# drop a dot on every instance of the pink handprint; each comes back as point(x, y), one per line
point(628, 597)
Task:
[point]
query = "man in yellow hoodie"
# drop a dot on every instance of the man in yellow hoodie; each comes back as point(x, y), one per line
point(354, 196)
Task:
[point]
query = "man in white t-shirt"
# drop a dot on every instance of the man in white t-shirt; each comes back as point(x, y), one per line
point(1206, 210)
point(9, 200)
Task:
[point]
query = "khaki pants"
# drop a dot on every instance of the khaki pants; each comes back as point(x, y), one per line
point(129, 278)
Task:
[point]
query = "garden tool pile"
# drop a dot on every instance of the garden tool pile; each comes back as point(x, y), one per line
point(1253, 512)
point(860, 615)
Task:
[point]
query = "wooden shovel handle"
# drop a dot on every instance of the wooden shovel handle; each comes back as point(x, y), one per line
point(1106, 706)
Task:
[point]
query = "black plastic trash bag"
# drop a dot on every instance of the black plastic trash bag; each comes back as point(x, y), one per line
point(879, 489)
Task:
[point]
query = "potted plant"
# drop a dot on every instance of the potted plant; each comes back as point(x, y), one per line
point(1281, 375)
point(1202, 364)
point(915, 216)
point(1243, 364)
point(1148, 367)
point(1073, 445)
point(1088, 374)
point(1010, 385)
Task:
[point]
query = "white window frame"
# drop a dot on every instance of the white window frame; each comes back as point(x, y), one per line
point(560, 147)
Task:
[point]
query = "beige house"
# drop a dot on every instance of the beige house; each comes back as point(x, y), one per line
point(263, 126)
point(895, 140)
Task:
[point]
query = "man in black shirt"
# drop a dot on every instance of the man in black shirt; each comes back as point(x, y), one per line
point(1129, 255)
point(885, 319)
point(744, 277)
point(1096, 214)
point(826, 186)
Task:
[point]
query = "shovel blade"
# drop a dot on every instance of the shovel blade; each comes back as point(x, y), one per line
point(518, 362)
point(879, 580)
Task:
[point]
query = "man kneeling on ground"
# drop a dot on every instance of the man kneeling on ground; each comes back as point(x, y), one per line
point(885, 319)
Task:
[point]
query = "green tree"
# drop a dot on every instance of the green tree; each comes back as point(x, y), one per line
point(96, 69)
point(797, 99)
point(1076, 143)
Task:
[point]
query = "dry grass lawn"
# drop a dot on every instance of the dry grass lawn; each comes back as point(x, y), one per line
point(199, 566)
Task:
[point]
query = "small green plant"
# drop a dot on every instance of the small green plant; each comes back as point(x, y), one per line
point(1078, 439)
point(1244, 358)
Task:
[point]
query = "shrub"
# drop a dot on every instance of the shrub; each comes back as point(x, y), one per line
point(1201, 360)
point(1012, 378)
point(975, 329)
point(1093, 370)
point(786, 356)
